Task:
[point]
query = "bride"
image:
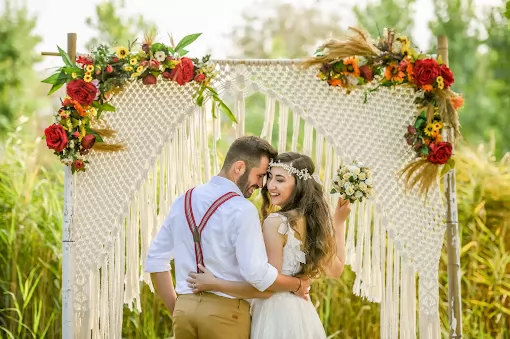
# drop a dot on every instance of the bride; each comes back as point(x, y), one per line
point(299, 241)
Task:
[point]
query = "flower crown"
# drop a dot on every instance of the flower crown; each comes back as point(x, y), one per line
point(301, 174)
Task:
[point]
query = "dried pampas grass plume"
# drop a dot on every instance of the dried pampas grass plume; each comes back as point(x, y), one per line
point(358, 43)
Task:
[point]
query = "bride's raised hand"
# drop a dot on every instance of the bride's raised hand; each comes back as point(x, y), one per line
point(343, 208)
point(200, 282)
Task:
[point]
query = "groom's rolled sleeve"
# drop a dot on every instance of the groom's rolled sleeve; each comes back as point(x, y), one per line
point(250, 249)
point(161, 249)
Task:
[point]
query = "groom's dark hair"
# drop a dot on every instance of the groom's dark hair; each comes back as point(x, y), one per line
point(249, 149)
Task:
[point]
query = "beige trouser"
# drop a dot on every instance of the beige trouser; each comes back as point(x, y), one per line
point(209, 316)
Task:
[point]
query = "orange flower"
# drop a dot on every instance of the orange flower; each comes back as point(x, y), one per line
point(439, 137)
point(77, 106)
point(393, 73)
point(427, 88)
point(457, 101)
point(335, 82)
point(427, 141)
point(410, 70)
point(351, 66)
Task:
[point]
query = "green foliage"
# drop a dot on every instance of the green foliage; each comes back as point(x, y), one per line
point(397, 14)
point(30, 251)
point(112, 28)
point(17, 57)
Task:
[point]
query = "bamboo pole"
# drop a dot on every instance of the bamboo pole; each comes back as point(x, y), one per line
point(452, 227)
point(68, 243)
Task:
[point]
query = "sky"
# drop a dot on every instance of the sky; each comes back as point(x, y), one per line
point(213, 18)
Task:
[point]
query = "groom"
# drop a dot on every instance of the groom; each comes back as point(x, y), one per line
point(216, 226)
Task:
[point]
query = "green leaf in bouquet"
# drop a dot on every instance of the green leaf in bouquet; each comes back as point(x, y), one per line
point(67, 60)
point(94, 133)
point(449, 165)
point(187, 40)
point(333, 191)
point(52, 79)
point(183, 52)
point(227, 111)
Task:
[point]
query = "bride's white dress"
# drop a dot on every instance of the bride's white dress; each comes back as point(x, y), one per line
point(284, 315)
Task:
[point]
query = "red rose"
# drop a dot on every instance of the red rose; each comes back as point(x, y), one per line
point(78, 164)
point(425, 72)
point(56, 137)
point(109, 69)
point(447, 75)
point(183, 72)
point(366, 73)
point(150, 79)
point(81, 91)
point(200, 77)
point(440, 152)
point(88, 141)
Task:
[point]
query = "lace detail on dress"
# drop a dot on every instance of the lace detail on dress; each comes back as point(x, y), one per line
point(293, 256)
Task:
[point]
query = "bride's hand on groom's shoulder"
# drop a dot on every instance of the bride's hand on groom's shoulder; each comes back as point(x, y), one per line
point(201, 282)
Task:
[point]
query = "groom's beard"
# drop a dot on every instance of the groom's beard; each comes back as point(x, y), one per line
point(243, 185)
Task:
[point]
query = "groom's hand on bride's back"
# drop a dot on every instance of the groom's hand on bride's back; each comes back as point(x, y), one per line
point(304, 288)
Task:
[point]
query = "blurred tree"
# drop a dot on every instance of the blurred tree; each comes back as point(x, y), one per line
point(283, 30)
point(17, 57)
point(479, 71)
point(497, 110)
point(397, 14)
point(112, 28)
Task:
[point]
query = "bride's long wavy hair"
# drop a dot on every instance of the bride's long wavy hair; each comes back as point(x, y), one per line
point(307, 200)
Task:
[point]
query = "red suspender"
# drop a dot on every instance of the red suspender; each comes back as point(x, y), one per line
point(197, 230)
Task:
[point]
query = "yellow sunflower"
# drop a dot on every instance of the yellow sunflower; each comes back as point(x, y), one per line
point(87, 77)
point(139, 69)
point(429, 130)
point(128, 68)
point(90, 68)
point(438, 125)
point(440, 82)
point(135, 75)
point(133, 62)
point(121, 52)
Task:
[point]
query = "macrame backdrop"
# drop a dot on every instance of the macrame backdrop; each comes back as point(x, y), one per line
point(123, 197)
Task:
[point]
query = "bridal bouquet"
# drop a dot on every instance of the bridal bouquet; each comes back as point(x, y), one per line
point(353, 182)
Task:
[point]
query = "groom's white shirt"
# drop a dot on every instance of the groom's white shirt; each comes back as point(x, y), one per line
point(232, 241)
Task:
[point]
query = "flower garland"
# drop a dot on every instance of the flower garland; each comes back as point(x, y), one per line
point(390, 61)
point(93, 79)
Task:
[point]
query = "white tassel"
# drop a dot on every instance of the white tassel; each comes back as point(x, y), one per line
point(396, 293)
point(283, 121)
point(239, 109)
point(388, 310)
point(366, 274)
point(383, 330)
point(204, 146)
point(308, 139)
point(296, 121)
point(357, 266)
point(349, 245)
point(376, 287)
point(267, 131)
point(328, 172)
point(319, 146)
point(216, 137)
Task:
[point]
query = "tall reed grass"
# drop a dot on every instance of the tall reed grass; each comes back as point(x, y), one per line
point(31, 199)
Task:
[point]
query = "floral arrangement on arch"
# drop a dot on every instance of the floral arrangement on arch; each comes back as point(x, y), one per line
point(93, 79)
point(390, 60)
